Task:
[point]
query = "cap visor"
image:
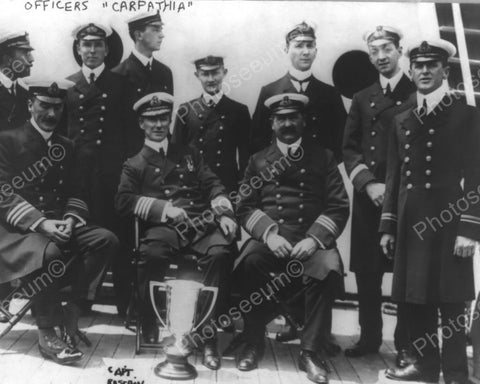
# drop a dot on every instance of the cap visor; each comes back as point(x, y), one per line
point(378, 42)
point(286, 111)
point(155, 113)
point(92, 37)
point(303, 38)
point(204, 67)
point(425, 59)
point(49, 100)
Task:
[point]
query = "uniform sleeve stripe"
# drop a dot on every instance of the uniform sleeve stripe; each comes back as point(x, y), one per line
point(77, 203)
point(18, 213)
point(328, 223)
point(359, 168)
point(20, 217)
point(471, 219)
point(139, 205)
point(147, 208)
point(143, 207)
point(16, 209)
point(254, 218)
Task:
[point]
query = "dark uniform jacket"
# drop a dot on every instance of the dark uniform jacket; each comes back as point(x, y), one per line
point(141, 82)
point(37, 181)
point(219, 133)
point(13, 109)
point(425, 205)
point(149, 182)
point(97, 125)
point(304, 195)
point(325, 115)
point(365, 157)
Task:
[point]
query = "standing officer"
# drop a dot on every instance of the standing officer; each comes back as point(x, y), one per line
point(97, 107)
point(431, 215)
point(365, 156)
point(217, 125)
point(170, 189)
point(42, 212)
point(325, 114)
point(16, 59)
point(145, 74)
point(294, 205)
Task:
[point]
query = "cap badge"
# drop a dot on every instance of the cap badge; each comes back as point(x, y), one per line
point(285, 101)
point(53, 90)
point(424, 47)
point(155, 101)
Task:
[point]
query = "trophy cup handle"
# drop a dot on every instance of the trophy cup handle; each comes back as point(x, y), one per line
point(162, 287)
point(214, 290)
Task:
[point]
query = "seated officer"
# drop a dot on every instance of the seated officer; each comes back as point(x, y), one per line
point(41, 213)
point(170, 188)
point(295, 209)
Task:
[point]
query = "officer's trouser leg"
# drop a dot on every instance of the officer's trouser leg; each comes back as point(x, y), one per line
point(401, 334)
point(370, 308)
point(319, 298)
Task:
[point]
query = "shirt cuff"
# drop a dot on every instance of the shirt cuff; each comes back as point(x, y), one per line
point(270, 228)
point(320, 244)
point(81, 222)
point(221, 201)
point(163, 219)
point(35, 225)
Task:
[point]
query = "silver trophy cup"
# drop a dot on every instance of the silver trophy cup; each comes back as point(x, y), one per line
point(181, 308)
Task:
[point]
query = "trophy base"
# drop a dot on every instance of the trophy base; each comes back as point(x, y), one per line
point(176, 368)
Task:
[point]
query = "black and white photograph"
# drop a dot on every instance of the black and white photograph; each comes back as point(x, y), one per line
point(239, 191)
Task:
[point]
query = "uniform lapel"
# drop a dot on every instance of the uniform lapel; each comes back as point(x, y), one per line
point(83, 87)
point(138, 72)
point(35, 142)
point(378, 101)
point(152, 157)
point(286, 85)
point(174, 155)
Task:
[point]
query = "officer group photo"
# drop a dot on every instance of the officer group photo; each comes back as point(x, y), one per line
point(240, 191)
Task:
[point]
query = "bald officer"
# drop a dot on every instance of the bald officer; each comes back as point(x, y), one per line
point(293, 203)
point(16, 60)
point(42, 211)
point(144, 73)
point(431, 216)
point(325, 114)
point(217, 125)
point(365, 148)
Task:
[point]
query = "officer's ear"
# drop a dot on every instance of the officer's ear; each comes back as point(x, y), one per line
point(287, 45)
point(107, 50)
point(400, 50)
point(30, 104)
point(446, 70)
point(196, 74)
point(140, 122)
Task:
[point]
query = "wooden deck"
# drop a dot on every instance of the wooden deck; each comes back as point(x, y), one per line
point(113, 348)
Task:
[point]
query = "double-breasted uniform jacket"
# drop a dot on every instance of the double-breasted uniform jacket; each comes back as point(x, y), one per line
point(149, 182)
point(141, 82)
point(365, 157)
point(13, 109)
point(325, 115)
point(426, 206)
point(303, 194)
point(97, 125)
point(37, 181)
point(219, 132)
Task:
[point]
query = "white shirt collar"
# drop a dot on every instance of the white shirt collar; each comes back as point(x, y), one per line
point(433, 98)
point(46, 135)
point(393, 81)
point(299, 75)
point(155, 145)
point(143, 59)
point(284, 147)
point(96, 71)
point(215, 98)
point(5, 80)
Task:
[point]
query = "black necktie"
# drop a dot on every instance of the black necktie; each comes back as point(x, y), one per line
point(301, 82)
point(92, 77)
point(12, 89)
point(211, 103)
point(149, 66)
point(162, 153)
point(423, 109)
point(388, 90)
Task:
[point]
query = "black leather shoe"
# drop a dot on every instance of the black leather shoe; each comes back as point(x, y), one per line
point(360, 349)
point(211, 358)
point(55, 349)
point(248, 358)
point(412, 373)
point(3, 318)
point(316, 371)
point(404, 358)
